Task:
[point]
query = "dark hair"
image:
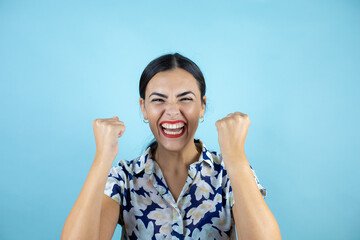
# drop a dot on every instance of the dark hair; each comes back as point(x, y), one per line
point(169, 62)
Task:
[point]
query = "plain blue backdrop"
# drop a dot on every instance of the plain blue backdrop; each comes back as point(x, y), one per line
point(292, 66)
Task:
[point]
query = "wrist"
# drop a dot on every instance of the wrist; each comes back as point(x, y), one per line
point(235, 162)
point(238, 156)
point(102, 157)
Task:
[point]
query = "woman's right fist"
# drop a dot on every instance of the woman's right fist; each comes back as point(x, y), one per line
point(107, 131)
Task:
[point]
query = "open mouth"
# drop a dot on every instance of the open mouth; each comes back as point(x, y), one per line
point(173, 129)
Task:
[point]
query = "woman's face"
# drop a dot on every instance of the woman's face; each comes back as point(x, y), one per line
point(173, 107)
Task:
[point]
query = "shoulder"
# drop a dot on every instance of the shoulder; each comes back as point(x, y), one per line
point(215, 158)
point(132, 167)
point(211, 156)
point(220, 166)
point(125, 167)
point(128, 165)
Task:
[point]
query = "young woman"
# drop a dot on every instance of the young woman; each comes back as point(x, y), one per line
point(177, 189)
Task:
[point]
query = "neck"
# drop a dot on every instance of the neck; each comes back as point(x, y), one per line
point(173, 160)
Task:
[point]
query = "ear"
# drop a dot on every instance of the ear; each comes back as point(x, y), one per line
point(143, 109)
point(203, 105)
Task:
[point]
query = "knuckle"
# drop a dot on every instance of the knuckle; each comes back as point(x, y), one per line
point(224, 122)
point(219, 123)
point(229, 119)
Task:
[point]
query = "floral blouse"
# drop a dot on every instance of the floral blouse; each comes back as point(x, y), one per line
point(149, 211)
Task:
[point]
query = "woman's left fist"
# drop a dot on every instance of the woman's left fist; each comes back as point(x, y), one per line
point(232, 131)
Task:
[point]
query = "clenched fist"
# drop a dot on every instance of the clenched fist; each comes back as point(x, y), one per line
point(232, 131)
point(107, 131)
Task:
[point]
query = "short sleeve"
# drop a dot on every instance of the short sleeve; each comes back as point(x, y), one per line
point(261, 188)
point(230, 192)
point(115, 184)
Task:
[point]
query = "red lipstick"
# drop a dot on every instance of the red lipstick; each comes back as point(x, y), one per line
point(173, 132)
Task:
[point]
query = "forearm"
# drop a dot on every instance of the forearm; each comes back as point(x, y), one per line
point(83, 221)
point(252, 216)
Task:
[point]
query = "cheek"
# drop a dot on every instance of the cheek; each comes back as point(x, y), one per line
point(154, 113)
point(192, 112)
point(154, 116)
point(192, 116)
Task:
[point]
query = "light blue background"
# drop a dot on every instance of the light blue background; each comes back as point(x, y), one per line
point(292, 66)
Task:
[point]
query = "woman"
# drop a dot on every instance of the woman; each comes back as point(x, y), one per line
point(177, 189)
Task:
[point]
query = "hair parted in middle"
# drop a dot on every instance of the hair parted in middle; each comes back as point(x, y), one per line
point(169, 62)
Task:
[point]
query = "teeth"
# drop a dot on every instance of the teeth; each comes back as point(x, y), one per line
point(172, 126)
point(172, 133)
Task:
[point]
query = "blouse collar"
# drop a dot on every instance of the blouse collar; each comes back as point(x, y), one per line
point(145, 161)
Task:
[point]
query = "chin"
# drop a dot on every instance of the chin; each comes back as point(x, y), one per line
point(172, 145)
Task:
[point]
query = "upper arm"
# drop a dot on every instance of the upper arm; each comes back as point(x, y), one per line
point(109, 217)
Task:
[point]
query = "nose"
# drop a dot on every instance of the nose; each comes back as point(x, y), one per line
point(172, 110)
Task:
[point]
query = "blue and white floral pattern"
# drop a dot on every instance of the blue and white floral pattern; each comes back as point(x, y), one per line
point(149, 211)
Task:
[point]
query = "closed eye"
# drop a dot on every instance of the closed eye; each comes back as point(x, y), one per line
point(186, 99)
point(157, 100)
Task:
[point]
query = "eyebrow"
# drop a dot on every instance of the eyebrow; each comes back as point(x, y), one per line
point(179, 95)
